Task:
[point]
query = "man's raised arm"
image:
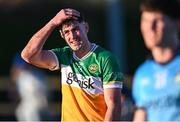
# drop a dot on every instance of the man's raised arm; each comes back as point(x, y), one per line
point(33, 52)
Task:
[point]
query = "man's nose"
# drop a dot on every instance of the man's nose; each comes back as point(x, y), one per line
point(154, 25)
point(73, 34)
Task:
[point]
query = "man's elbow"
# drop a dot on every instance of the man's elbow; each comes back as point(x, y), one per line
point(25, 56)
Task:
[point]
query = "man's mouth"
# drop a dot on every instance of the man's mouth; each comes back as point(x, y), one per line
point(76, 42)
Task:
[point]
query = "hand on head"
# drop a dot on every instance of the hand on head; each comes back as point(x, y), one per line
point(64, 14)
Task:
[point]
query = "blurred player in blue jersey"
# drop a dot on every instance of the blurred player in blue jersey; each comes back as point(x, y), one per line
point(156, 84)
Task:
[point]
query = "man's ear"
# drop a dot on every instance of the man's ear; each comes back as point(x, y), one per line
point(62, 35)
point(86, 26)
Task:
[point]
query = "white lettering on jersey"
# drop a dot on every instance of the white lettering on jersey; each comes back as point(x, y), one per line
point(160, 79)
point(90, 84)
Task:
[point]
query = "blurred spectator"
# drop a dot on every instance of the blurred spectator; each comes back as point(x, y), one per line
point(156, 86)
point(32, 89)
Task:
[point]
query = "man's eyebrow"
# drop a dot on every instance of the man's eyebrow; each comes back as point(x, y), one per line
point(65, 31)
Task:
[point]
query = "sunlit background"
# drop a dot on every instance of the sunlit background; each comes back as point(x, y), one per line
point(114, 24)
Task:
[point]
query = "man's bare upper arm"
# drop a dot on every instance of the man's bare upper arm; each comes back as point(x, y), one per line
point(112, 95)
point(46, 59)
point(113, 102)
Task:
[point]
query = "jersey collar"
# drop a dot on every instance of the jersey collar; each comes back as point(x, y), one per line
point(94, 46)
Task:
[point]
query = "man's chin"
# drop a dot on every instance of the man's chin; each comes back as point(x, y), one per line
point(75, 48)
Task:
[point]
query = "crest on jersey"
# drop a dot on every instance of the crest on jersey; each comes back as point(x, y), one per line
point(177, 78)
point(93, 68)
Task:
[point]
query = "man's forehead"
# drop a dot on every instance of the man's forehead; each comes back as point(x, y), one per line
point(70, 25)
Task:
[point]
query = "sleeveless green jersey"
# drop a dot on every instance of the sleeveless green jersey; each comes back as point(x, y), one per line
point(84, 81)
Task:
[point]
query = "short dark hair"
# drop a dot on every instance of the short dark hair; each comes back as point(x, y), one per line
point(170, 8)
point(81, 18)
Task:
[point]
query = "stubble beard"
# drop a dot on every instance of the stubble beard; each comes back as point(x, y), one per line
point(77, 48)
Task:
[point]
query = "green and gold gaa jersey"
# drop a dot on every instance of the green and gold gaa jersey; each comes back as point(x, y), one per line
point(84, 81)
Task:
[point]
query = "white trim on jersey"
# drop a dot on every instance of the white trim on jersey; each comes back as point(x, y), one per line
point(113, 86)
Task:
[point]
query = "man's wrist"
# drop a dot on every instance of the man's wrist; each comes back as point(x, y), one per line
point(51, 24)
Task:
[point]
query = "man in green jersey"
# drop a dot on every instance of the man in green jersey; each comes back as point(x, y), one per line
point(91, 78)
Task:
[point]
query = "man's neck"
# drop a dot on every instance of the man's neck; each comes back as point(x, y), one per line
point(163, 55)
point(84, 50)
